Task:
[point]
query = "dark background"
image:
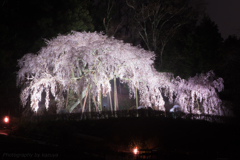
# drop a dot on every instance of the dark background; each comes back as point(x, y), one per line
point(204, 42)
point(225, 14)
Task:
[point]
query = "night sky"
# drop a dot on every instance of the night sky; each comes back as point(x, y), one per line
point(226, 14)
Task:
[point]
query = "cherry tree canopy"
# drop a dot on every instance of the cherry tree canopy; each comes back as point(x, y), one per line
point(79, 60)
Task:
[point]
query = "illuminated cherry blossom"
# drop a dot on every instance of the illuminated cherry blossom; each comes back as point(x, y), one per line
point(80, 59)
point(198, 94)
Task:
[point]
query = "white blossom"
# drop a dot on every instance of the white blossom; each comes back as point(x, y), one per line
point(79, 59)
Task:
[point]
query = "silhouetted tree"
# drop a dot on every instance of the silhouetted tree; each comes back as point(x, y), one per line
point(228, 68)
point(204, 46)
point(158, 21)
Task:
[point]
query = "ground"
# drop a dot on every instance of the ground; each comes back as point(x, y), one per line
point(109, 138)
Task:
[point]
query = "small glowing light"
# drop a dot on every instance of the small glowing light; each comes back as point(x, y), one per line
point(135, 151)
point(6, 119)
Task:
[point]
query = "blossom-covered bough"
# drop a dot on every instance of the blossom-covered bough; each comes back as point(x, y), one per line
point(86, 62)
point(199, 94)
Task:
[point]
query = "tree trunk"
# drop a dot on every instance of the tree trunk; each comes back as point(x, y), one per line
point(136, 97)
point(110, 98)
point(115, 95)
point(100, 100)
point(67, 97)
point(161, 54)
point(85, 100)
point(73, 106)
point(89, 99)
point(95, 103)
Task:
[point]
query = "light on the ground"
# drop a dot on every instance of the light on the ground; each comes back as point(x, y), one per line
point(6, 119)
point(135, 151)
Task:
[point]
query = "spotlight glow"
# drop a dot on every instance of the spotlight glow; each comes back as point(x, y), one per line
point(135, 151)
point(6, 119)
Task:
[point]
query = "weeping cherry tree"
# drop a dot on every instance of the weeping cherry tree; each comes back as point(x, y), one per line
point(86, 62)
